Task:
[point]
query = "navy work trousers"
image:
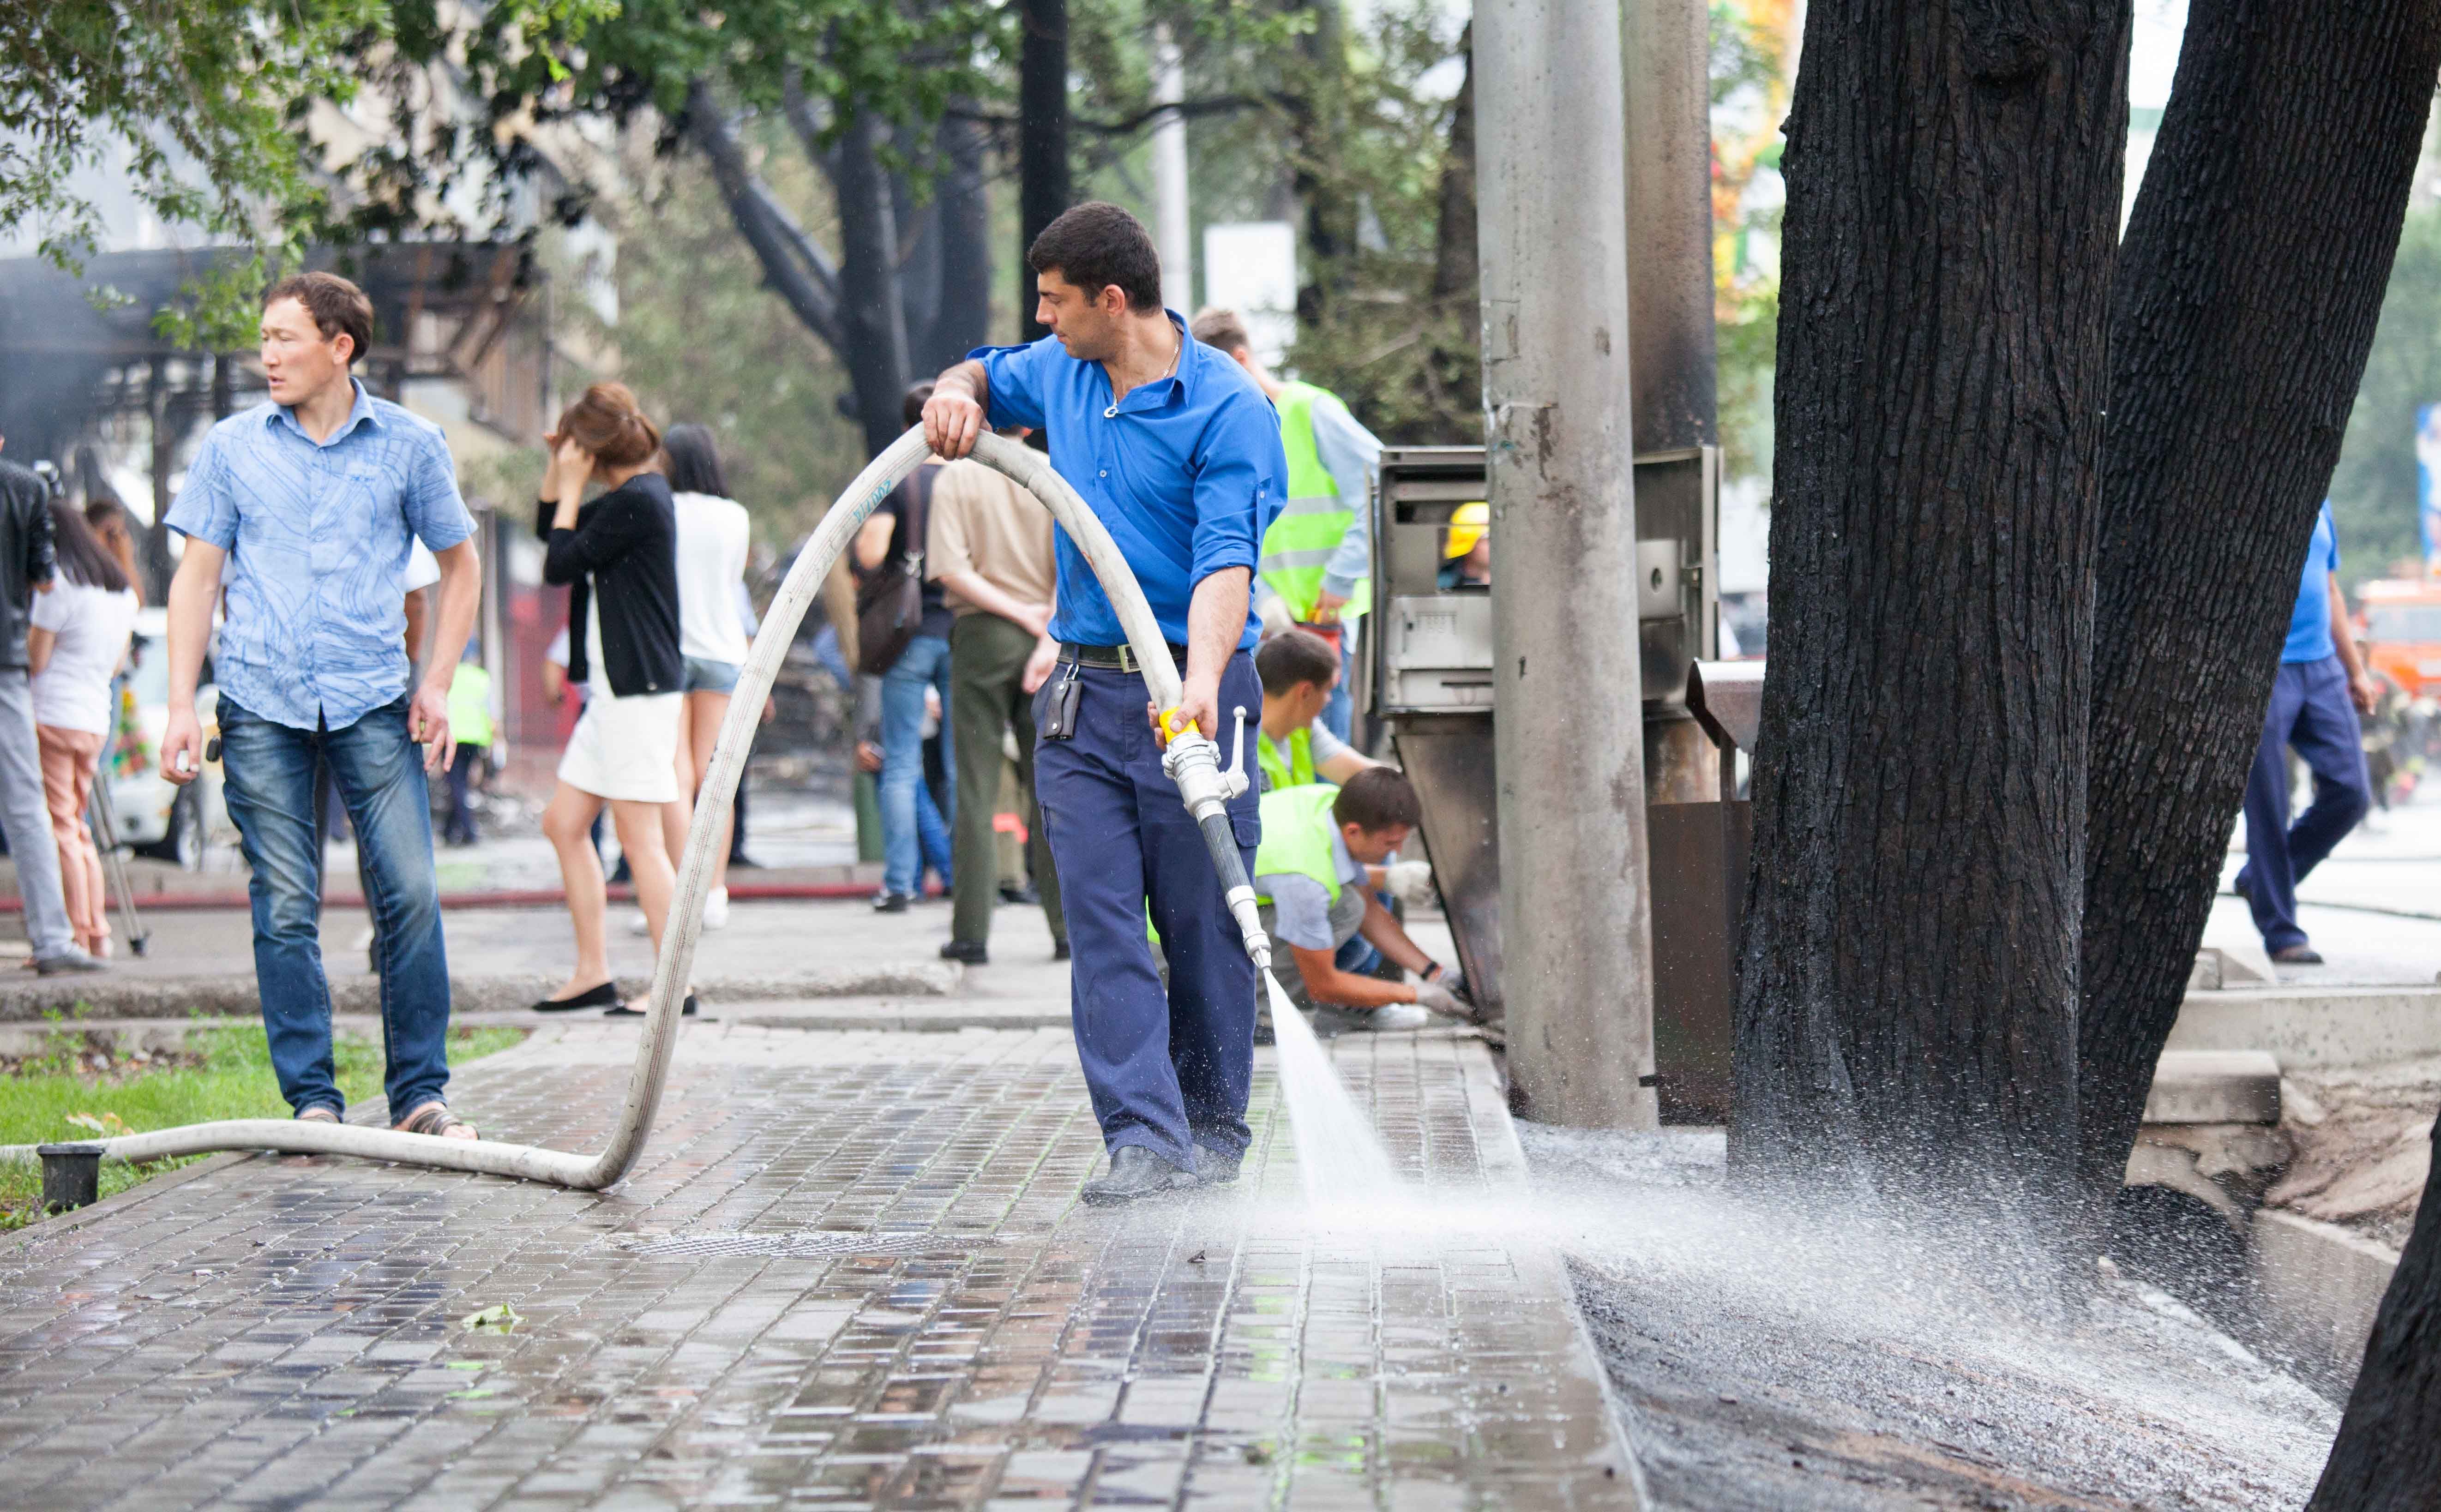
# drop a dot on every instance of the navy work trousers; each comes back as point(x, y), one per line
point(2309, 711)
point(1167, 1070)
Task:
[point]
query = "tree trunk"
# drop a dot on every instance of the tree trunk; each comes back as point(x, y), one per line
point(2388, 1454)
point(2249, 289)
point(875, 353)
point(1454, 275)
point(1906, 1013)
point(1043, 181)
point(1318, 114)
point(962, 212)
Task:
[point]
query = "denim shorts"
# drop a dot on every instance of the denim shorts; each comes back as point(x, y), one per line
point(706, 675)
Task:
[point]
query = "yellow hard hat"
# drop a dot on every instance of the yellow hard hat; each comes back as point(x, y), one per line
point(1466, 528)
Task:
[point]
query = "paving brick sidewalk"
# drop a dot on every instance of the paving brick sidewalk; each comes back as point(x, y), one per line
point(850, 1272)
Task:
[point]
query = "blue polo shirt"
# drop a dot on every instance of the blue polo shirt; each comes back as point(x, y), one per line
point(1186, 473)
point(2310, 624)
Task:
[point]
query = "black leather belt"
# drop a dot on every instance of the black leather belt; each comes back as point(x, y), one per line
point(1117, 659)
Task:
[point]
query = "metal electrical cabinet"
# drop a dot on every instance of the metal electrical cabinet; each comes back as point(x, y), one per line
point(1427, 679)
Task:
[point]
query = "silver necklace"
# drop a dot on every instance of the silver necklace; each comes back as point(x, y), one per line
point(1113, 413)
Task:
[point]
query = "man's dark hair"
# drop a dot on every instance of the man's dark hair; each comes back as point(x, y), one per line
point(1293, 656)
point(911, 405)
point(1096, 246)
point(692, 462)
point(334, 303)
point(1377, 797)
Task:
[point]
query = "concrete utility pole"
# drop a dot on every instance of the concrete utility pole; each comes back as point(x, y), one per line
point(1172, 235)
point(1575, 914)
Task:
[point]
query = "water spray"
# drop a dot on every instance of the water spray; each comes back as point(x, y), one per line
point(1192, 760)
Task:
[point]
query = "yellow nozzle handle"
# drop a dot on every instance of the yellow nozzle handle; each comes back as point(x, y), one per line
point(1174, 723)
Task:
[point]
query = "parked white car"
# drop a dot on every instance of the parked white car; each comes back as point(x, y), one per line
point(157, 817)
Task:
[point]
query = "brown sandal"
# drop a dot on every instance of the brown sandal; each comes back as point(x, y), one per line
point(436, 1119)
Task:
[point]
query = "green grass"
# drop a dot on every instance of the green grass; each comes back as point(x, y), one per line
point(233, 1080)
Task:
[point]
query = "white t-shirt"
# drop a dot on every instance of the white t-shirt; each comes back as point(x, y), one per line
point(423, 567)
point(713, 537)
point(92, 625)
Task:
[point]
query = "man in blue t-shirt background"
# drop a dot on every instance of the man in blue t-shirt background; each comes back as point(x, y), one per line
point(2321, 686)
point(1178, 454)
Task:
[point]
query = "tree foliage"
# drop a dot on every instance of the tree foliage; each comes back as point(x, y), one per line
point(2374, 491)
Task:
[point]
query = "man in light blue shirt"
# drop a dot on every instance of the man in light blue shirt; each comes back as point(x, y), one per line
point(303, 509)
point(1179, 454)
point(2315, 697)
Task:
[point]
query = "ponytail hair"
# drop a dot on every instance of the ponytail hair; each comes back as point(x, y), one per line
point(82, 558)
point(609, 422)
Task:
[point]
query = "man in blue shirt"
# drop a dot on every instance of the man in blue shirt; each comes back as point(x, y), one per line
point(1179, 454)
point(303, 509)
point(2321, 678)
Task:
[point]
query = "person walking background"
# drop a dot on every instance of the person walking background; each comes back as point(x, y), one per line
point(300, 511)
point(26, 572)
point(618, 555)
point(889, 551)
point(2315, 697)
point(990, 548)
point(470, 724)
point(713, 535)
point(1174, 448)
point(75, 648)
point(1318, 555)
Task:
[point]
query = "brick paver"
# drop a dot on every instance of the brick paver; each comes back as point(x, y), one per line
point(946, 1328)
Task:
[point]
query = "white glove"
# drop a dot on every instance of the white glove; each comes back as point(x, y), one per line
point(1411, 883)
point(1455, 980)
point(1439, 999)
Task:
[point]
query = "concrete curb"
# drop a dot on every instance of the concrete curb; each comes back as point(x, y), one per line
point(104, 995)
point(2320, 1287)
point(2306, 1028)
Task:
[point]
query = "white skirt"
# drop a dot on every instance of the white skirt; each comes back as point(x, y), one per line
point(625, 748)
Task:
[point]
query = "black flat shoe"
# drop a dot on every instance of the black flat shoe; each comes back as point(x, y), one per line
point(973, 952)
point(623, 1011)
point(1059, 950)
point(602, 995)
point(1135, 1173)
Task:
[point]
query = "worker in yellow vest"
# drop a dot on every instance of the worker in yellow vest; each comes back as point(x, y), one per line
point(1294, 747)
point(470, 726)
point(1318, 557)
point(1309, 883)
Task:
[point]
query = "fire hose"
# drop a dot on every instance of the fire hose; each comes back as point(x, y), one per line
point(1191, 761)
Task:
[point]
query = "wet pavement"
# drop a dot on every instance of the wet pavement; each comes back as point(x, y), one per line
point(850, 1270)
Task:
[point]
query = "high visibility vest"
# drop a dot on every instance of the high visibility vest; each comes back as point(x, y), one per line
point(1297, 828)
point(1313, 520)
point(470, 705)
point(1293, 769)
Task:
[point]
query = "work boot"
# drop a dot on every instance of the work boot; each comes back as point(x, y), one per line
point(1216, 1167)
point(1135, 1173)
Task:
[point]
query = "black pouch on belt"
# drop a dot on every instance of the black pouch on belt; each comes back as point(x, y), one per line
point(1060, 709)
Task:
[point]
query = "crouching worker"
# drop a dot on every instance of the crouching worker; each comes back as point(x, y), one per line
point(1311, 880)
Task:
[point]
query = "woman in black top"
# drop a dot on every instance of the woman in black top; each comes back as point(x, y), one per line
point(618, 557)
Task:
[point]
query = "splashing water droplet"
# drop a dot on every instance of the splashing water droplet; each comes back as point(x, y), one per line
point(1339, 1153)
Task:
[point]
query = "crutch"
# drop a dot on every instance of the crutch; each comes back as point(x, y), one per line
point(104, 822)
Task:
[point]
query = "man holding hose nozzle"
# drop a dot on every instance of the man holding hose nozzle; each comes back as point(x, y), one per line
point(1179, 454)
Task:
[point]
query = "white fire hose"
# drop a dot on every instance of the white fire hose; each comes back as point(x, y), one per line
point(1192, 762)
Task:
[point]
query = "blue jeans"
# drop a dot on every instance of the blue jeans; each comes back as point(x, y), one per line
point(379, 775)
point(906, 840)
point(1167, 1069)
point(2309, 709)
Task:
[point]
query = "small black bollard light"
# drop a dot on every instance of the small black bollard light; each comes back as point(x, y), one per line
point(71, 1176)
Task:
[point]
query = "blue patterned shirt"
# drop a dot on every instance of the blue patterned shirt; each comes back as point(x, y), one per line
point(318, 543)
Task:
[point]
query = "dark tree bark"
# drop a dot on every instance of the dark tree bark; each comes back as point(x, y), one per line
point(1317, 115)
point(794, 267)
point(1907, 1012)
point(1043, 187)
point(962, 214)
point(1456, 273)
point(876, 322)
point(2249, 289)
point(2388, 1454)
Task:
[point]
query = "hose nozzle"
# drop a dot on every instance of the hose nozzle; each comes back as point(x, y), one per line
point(1194, 764)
